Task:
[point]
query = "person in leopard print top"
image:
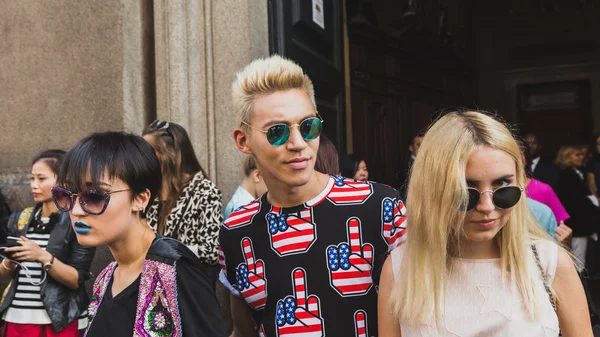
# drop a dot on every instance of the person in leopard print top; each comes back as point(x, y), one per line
point(189, 207)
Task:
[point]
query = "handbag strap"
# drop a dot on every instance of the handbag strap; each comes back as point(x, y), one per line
point(544, 280)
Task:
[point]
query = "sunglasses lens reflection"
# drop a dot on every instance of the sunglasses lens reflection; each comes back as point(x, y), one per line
point(507, 197)
point(278, 134)
point(93, 201)
point(62, 199)
point(311, 128)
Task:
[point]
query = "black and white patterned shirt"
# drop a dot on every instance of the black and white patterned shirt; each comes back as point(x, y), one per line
point(195, 219)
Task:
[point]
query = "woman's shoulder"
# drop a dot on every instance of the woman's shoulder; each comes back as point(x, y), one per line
point(20, 219)
point(168, 248)
point(396, 256)
point(547, 252)
point(202, 185)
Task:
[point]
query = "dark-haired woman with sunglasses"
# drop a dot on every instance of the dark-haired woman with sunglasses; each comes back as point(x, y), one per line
point(189, 206)
point(156, 286)
point(47, 265)
point(476, 263)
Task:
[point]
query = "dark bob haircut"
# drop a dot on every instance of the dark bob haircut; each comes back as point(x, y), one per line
point(52, 158)
point(111, 155)
point(349, 164)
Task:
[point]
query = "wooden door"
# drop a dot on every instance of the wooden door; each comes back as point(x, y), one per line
point(309, 32)
point(559, 113)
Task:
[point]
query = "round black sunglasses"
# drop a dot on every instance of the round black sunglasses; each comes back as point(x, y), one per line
point(502, 198)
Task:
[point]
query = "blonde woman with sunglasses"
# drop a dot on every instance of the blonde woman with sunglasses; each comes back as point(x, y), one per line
point(476, 262)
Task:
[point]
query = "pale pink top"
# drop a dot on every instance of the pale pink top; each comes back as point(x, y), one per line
point(542, 192)
point(478, 303)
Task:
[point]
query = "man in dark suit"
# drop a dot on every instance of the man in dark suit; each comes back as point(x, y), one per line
point(403, 175)
point(413, 148)
point(543, 169)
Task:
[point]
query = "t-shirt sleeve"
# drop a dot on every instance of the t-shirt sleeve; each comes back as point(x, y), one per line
point(223, 275)
point(198, 304)
point(389, 216)
point(393, 217)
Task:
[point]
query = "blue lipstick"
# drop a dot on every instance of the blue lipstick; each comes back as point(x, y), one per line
point(82, 227)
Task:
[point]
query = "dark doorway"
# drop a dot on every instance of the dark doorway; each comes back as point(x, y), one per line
point(309, 32)
point(559, 113)
point(404, 69)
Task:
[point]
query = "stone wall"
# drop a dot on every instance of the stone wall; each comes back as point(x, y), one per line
point(68, 69)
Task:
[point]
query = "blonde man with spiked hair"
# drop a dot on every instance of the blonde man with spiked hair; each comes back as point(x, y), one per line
point(476, 263)
point(305, 257)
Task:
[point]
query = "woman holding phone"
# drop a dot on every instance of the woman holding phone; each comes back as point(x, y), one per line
point(47, 265)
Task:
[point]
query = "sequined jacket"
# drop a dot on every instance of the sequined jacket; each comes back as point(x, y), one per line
point(168, 305)
point(63, 305)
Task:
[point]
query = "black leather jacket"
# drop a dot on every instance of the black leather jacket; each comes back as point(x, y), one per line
point(64, 305)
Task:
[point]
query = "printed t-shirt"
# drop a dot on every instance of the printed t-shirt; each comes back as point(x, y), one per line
point(313, 269)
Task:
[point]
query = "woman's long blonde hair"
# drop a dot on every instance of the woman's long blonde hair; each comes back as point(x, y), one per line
point(436, 192)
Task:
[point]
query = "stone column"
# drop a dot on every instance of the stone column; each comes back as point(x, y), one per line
point(199, 47)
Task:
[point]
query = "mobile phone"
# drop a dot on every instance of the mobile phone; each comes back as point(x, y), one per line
point(11, 241)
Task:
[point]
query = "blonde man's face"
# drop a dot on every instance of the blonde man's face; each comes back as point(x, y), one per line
point(292, 163)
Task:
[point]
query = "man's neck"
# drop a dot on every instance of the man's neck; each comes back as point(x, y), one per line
point(286, 196)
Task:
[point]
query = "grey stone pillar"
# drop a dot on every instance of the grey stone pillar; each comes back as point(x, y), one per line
point(200, 45)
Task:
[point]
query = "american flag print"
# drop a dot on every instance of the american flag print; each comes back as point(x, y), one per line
point(299, 315)
point(360, 324)
point(292, 233)
point(242, 216)
point(350, 263)
point(393, 225)
point(250, 277)
point(349, 191)
point(261, 331)
point(222, 260)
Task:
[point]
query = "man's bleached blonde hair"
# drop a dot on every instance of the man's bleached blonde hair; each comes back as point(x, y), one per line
point(263, 77)
point(436, 193)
